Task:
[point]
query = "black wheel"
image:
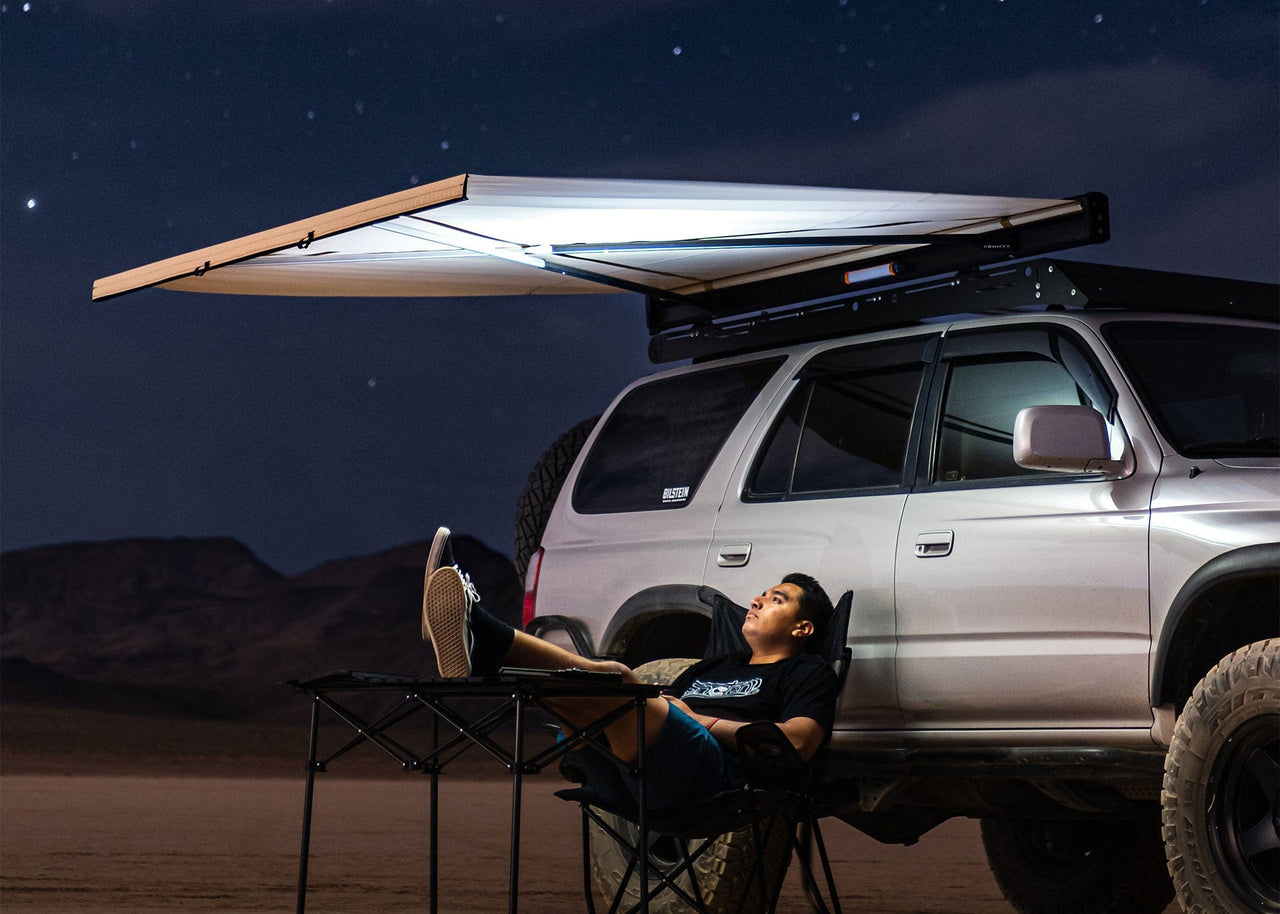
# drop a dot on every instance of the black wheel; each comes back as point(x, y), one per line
point(1067, 866)
point(722, 873)
point(1221, 787)
point(542, 488)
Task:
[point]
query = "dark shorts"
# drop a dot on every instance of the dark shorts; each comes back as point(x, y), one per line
point(684, 764)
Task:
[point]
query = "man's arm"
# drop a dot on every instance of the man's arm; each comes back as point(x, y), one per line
point(804, 733)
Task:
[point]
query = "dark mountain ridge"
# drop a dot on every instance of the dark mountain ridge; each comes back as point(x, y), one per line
point(203, 626)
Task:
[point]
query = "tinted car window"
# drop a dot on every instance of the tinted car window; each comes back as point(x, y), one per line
point(847, 425)
point(778, 460)
point(1210, 387)
point(661, 438)
point(984, 394)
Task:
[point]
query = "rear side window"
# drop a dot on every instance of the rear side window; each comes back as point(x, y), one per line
point(661, 438)
point(847, 426)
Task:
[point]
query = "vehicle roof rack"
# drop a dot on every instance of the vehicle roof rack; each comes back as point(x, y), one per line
point(1042, 285)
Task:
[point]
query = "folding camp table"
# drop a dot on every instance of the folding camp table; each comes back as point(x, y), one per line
point(503, 699)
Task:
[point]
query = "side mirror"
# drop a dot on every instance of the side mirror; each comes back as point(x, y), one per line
point(1065, 439)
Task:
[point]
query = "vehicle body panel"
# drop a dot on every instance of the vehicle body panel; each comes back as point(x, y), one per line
point(1037, 618)
point(1037, 628)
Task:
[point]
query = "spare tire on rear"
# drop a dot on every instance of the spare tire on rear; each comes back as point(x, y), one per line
point(543, 487)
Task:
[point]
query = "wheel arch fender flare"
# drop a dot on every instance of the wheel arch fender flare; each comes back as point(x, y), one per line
point(1248, 562)
point(651, 603)
point(575, 629)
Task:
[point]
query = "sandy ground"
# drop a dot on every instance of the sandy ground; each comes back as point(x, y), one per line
point(115, 844)
point(113, 813)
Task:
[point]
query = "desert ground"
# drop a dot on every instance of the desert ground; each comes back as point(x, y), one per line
point(116, 844)
point(113, 813)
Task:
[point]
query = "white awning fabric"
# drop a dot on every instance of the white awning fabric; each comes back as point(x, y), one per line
point(481, 235)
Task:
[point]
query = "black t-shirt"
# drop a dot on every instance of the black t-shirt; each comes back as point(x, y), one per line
point(803, 685)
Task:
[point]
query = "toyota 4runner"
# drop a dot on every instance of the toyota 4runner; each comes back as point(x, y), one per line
point(1061, 526)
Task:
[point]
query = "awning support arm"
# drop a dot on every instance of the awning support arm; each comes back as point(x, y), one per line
point(617, 282)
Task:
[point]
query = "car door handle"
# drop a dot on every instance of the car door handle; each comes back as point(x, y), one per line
point(934, 545)
point(734, 556)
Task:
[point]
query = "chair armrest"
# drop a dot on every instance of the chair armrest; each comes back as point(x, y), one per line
point(769, 759)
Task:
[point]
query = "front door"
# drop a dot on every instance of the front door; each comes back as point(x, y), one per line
point(1021, 595)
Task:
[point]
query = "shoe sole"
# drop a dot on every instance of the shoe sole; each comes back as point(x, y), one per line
point(444, 618)
point(438, 544)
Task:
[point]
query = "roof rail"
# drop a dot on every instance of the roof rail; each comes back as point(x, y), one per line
point(1043, 285)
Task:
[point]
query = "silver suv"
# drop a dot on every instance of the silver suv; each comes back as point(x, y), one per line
point(1060, 523)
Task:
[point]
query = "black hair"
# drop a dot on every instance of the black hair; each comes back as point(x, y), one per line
point(815, 607)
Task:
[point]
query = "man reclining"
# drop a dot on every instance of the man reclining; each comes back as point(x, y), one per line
point(690, 731)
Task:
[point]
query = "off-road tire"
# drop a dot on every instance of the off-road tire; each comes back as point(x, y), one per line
point(1221, 781)
point(542, 488)
point(1066, 866)
point(722, 872)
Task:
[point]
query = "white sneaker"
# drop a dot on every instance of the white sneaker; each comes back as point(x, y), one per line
point(447, 599)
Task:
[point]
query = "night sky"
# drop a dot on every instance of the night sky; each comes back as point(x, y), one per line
point(132, 130)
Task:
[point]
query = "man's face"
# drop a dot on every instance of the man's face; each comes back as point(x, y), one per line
point(773, 616)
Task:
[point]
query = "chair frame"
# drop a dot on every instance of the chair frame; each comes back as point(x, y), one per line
point(779, 793)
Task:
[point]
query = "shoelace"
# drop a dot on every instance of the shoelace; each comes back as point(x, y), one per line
point(470, 589)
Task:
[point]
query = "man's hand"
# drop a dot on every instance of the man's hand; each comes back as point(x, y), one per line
point(706, 720)
point(671, 699)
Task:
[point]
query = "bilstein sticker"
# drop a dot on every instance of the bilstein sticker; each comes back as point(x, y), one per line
point(672, 494)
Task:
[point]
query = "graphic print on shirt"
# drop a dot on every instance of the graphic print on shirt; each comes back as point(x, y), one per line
point(735, 688)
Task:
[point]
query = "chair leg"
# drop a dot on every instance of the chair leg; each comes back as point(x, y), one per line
point(586, 863)
point(809, 833)
point(804, 855)
point(826, 866)
point(807, 879)
point(779, 820)
point(757, 868)
point(686, 864)
point(667, 880)
point(626, 877)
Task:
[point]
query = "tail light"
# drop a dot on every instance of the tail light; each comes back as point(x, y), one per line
point(531, 588)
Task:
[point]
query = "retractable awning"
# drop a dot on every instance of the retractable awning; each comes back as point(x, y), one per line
point(700, 248)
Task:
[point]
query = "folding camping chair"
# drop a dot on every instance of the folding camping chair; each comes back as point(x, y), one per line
point(782, 797)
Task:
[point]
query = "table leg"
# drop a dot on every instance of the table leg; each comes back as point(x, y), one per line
point(433, 868)
point(513, 892)
point(641, 704)
point(305, 853)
